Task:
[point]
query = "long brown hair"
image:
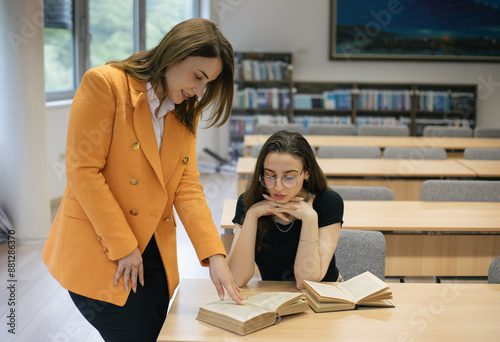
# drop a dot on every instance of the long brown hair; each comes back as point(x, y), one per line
point(191, 38)
point(284, 142)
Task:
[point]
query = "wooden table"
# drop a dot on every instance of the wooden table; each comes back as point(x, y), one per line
point(403, 176)
point(420, 236)
point(448, 143)
point(483, 168)
point(423, 312)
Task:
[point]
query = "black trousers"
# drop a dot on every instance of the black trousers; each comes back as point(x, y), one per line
point(142, 316)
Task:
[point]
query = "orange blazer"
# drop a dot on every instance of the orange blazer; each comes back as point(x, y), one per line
point(120, 190)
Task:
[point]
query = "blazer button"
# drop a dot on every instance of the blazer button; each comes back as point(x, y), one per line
point(99, 238)
point(105, 249)
point(136, 145)
point(168, 219)
point(185, 160)
point(134, 181)
point(177, 191)
point(133, 212)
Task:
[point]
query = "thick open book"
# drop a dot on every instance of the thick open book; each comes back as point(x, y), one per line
point(259, 311)
point(362, 290)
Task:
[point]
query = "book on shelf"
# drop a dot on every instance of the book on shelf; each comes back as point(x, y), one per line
point(363, 290)
point(384, 99)
point(261, 70)
point(261, 98)
point(260, 311)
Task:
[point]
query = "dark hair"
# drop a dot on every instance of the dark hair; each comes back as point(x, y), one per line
point(287, 143)
point(191, 38)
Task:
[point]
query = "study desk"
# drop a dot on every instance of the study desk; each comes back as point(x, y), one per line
point(483, 168)
point(448, 143)
point(422, 312)
point(403, 176)
point(421, 237)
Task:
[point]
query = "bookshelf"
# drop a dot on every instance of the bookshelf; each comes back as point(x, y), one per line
point(411, 104)
point(265, 92)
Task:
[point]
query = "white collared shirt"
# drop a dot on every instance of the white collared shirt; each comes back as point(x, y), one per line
point(166, 106)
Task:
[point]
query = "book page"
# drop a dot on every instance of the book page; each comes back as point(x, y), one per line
point(362, 286)
point(271, 301)
point(233, 311)
point(328, 292)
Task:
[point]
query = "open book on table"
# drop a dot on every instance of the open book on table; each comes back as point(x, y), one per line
point(259, 311)
point(362, 290)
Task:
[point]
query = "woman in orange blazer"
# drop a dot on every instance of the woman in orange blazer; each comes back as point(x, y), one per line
point(131, 156)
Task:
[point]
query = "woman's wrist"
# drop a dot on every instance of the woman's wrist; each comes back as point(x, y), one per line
point(311, 218)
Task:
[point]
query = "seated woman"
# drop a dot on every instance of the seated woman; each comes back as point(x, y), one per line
point(288, 221)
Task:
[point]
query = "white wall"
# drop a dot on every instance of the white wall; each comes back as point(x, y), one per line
point(57, 129)
point(24, 191)
point(302, 27)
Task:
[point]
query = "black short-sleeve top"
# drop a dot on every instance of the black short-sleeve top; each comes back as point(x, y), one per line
point(276, 262)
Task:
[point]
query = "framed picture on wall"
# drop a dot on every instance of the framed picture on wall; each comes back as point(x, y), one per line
point(451, 30)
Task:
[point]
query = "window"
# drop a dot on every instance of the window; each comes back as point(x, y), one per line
point(162, 15)
point(111, 25)
point(58, 46)
point(84, 34)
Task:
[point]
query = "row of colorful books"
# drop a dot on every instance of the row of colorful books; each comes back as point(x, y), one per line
point(256, 70)
point(377, 99)
point(307, 120)
point(245, 124)
point(330, 99)
point(271, 98)
point(382, 120)
point(445, 101)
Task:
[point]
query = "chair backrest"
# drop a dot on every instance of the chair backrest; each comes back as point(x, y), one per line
point(255, 150)
point(270, 129)
point(460, 190)
point(359, 251)
point(482, 153)
point(364, 193)
point(415, 153)
point(349, 152)
point(394, 131)
point(494, 271)
point(487, 132)
point(445, 131)
point(317, 129)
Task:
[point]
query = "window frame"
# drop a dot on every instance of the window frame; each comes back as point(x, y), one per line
point(82, 37)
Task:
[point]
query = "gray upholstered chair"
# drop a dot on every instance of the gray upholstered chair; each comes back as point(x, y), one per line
point(446, 131)
point(460, 190)
point(270, 129)
point(486, 132)
point(494, 271)
point(349, 152)
point(364, 193)
point(255, 150)
point(482, 153)
point(395, 131)
point(359, 251)
point(326, 129)
point(414, 153)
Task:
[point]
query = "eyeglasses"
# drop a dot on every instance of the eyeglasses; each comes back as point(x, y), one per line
point(288, 182)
